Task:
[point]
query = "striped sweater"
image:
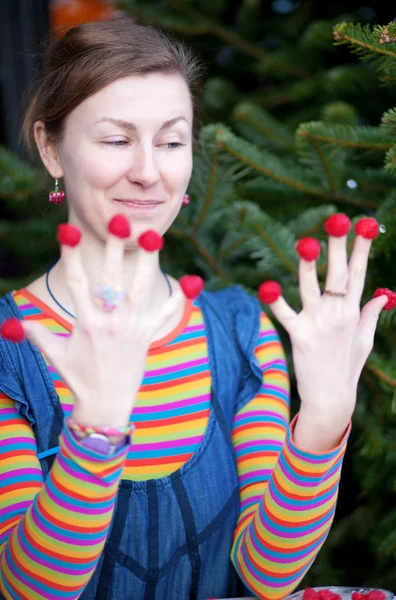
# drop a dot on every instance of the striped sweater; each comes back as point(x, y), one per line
point(52, 532)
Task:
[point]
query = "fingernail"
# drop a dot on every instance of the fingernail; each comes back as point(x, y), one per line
point(269, 292)
point(337, 225)
point(367, 228)
point(308, 248)
point(12, 330)
point(192, 285)
point(391, 297)
point(151, 240)
point(68, 235)
point(120, 227)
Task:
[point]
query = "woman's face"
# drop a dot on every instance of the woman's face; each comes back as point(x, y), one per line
point(128, 149)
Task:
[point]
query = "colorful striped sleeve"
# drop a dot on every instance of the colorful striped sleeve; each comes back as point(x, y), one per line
point(288, 496)
point(51, 533)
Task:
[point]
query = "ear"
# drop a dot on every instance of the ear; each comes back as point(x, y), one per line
point(48, 152)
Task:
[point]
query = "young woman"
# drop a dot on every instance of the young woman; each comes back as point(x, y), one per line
point(213, 493)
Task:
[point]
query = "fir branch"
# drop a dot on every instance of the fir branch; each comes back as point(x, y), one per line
point(215, 29)
point(390, 160)
point(264, 123)
point(388, 122)
point(228, 250)
point(381, 374)
point(362, 41)
point(347, 136)
point(209, 197)
point(262, 161)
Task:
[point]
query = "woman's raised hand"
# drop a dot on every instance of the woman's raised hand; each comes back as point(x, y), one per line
point(331, 337)
point(103, 361)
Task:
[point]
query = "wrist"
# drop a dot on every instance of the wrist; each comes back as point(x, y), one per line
point(318, 432)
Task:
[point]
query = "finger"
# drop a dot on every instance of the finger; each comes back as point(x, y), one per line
point(173, 304)
point(309, 284)
point(357, 268)
point(146, 271)
point(113, 261)
point(337, 272)
point(284, 314)
point(368, 323)
point(69, 238)
point(52, 345)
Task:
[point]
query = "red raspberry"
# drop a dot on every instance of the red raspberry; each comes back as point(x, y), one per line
point(391, 297)
point(68, 235)
point(358, 596)
point(120, 227)
point(367, 228)
point(192, 285)
point(150, 240)
point(337, 225)
point(326, 595)
point(269, 291)
point(309, 594)
point(308, 248)
point(12, 330)
point(375, 595)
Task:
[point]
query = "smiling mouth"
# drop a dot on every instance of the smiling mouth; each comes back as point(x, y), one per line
point(139, 206)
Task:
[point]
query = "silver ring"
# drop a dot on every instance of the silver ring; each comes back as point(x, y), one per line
point(108, 297)
point(335, 294)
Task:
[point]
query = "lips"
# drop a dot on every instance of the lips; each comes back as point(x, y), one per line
point(138, 202)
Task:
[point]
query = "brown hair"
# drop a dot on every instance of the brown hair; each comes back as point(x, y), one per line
point(90, 56)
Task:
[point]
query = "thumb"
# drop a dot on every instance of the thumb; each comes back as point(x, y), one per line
point(368, 322)
point(49, 343)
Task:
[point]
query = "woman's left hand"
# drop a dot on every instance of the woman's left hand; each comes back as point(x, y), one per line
point(331, 341)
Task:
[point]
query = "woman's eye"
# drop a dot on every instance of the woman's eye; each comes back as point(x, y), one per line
point(173, 145)
point(116, 143)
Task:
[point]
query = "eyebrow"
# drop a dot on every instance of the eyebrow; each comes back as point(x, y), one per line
point(132, 127)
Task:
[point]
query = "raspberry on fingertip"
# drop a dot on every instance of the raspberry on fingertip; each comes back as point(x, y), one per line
point(12, 331)
point(192, 285)
point(308, 248)
point(68, 235)
point(391, 297)
point(367, 228)
point(150, 240)
point(337, 225)
point(269, 292)
point(120, 226)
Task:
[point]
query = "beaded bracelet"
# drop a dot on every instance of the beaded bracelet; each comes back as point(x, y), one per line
point(107, 431)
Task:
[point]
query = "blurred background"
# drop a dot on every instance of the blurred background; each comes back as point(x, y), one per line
point(298, 121)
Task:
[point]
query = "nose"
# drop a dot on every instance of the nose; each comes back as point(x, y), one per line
point(144, 168)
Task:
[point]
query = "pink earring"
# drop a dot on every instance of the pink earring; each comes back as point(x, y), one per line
point(57, 196)
point(186, 200)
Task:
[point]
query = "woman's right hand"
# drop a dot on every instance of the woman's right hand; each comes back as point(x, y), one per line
point(103, 361)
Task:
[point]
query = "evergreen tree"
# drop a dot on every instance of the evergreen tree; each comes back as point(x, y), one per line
point(293, 131)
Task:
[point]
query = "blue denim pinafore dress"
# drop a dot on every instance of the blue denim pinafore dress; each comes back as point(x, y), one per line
point(170, 538)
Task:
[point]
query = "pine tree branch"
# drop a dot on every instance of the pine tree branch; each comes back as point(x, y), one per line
point(190, 237)
point(381, 375)
point(326, 167)
point(221, 32)
point(340, 35)
point(231, 247)
point(343, 135)
point(209, 197)
point(289, 266)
